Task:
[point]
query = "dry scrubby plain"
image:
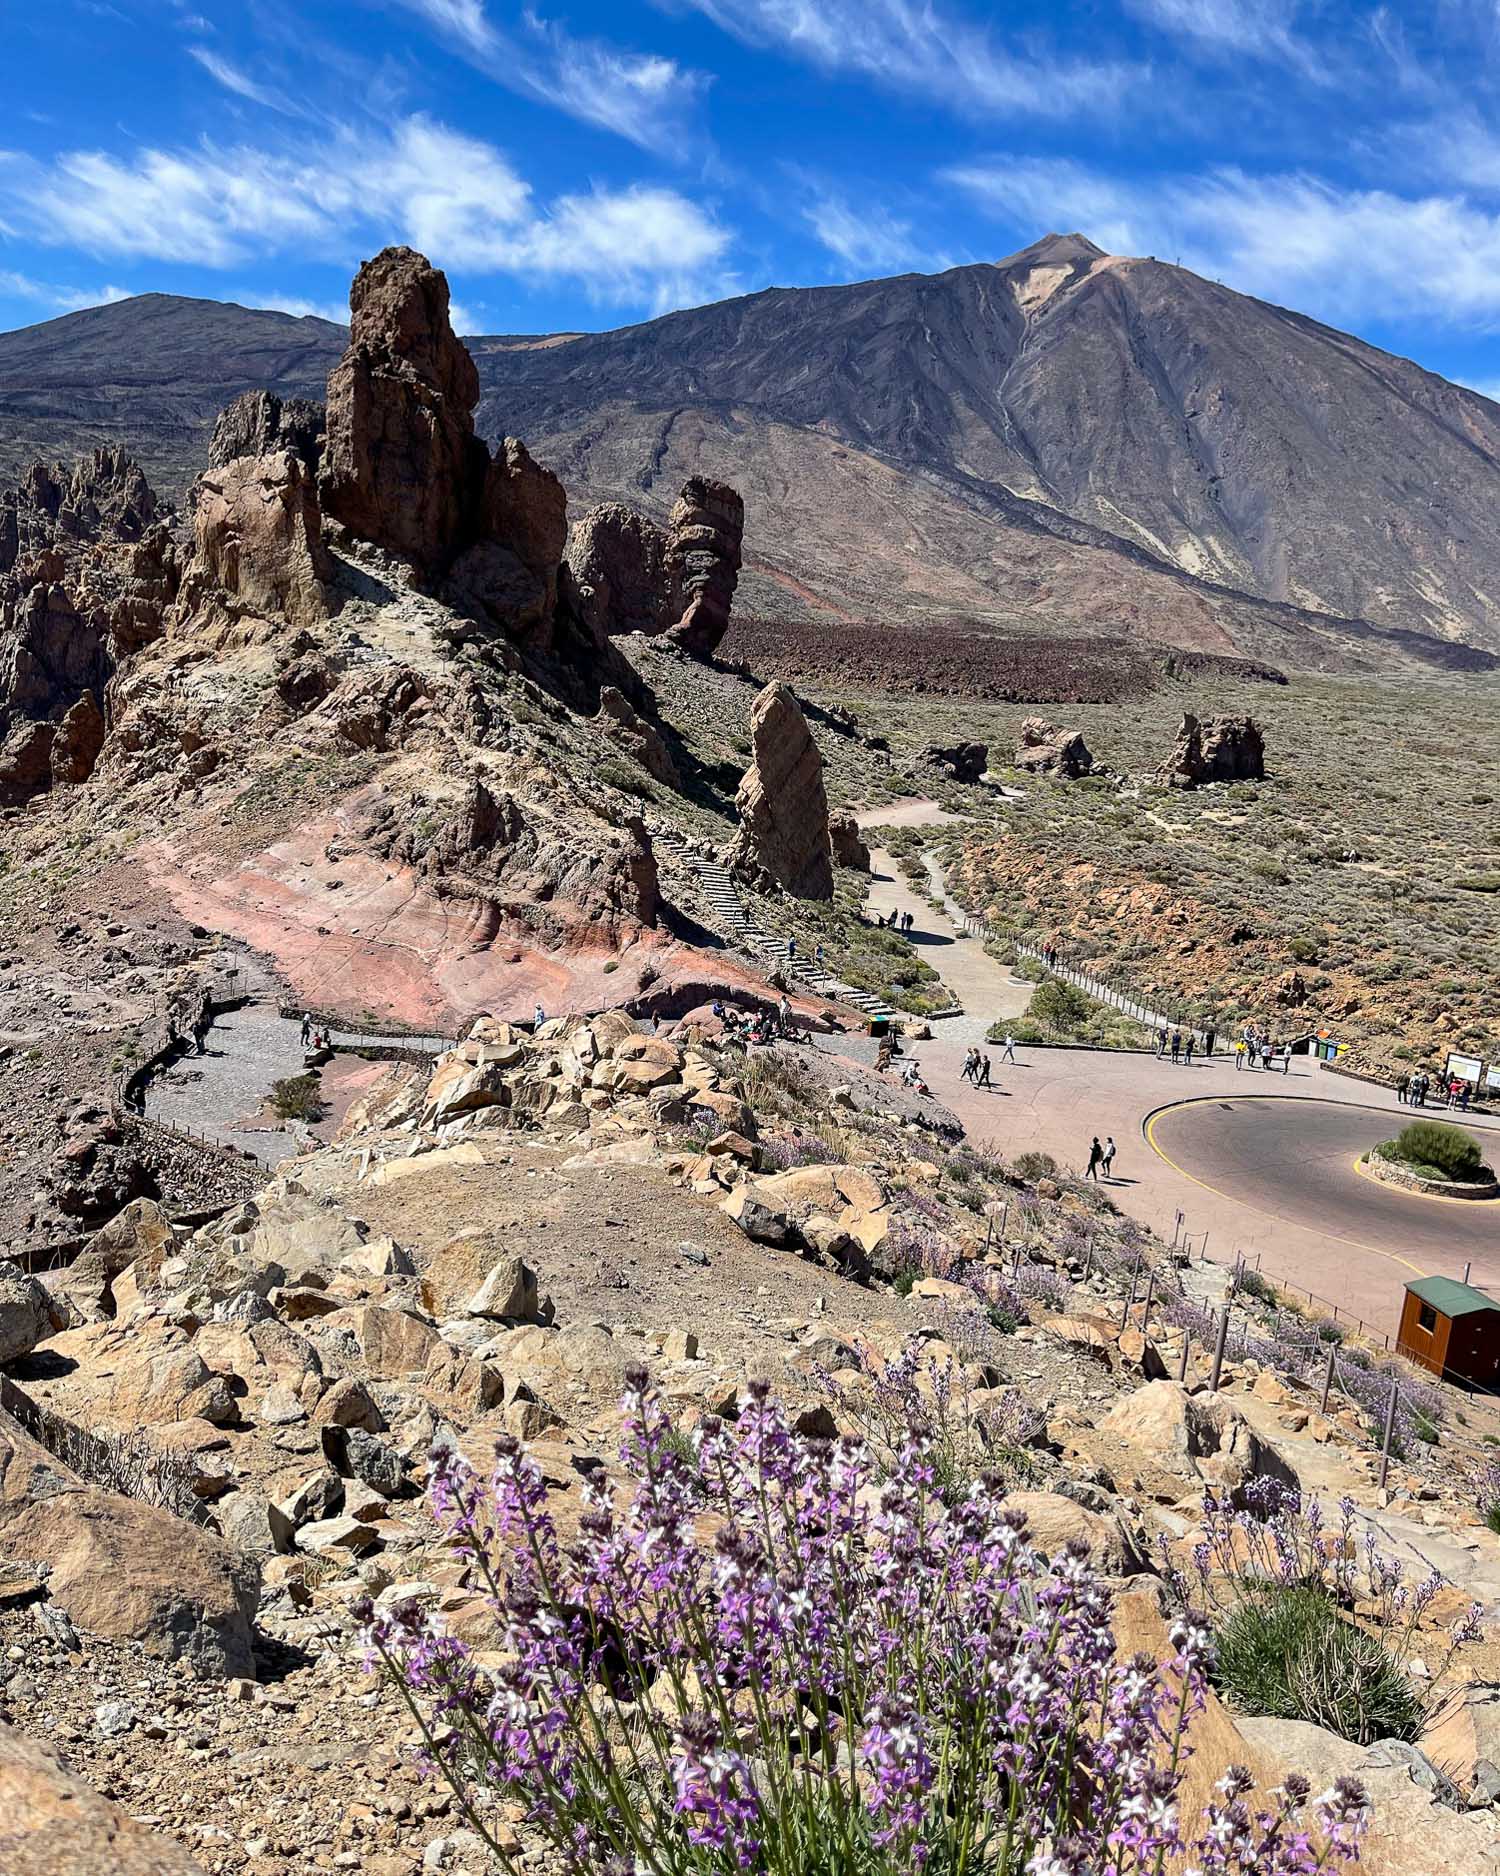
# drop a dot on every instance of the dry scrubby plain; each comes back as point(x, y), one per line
point(1357, 889)
point(398, 760)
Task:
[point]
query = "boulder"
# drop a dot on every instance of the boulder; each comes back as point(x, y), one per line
point(401, 465)
point(350, 1404)
point(1053, 1521)
point(259, 540)
point(705, 533)
point(393, 1342)
point(28, 1315)
point(140, 1234)
point(1195, 1436)
point(53, 1824)
point(615, 575)
point(1224, 749)
point(124, 1570)
point(1045, 750)
point(960, 762)
point(782, 806)
point(849, 849)
point(508, 1294)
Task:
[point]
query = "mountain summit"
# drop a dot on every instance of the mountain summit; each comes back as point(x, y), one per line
point(1063, 439)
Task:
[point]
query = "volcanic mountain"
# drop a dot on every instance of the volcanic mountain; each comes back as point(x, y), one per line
point(1061, 440)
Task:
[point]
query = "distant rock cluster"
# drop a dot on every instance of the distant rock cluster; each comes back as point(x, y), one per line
point(1224, 749)
point(1046, 750)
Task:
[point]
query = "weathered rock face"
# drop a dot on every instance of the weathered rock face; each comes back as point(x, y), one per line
point(705, 533)
point(27, 1314)
point(616, 574)
point(623, 724)
point(258, 423)
point(259, 542)
point(1224, 749)
point(509, 576)
point(844, 837)
point(782, 805)
point(401, 465)
point(75, 747)
point(102, 497)
point(1045, 750)
point(964, 762)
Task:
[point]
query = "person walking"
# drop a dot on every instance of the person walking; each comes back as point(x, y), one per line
point(306, 1028)
point(984, 1071)
point(1010, 1047)
point(1107, 1163)
point(1096, 1154)
point(1176, 1046)
point(971, 1065)
point(1187, 1050)
point(1239, 1056)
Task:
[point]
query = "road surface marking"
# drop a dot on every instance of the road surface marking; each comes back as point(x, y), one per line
point(1211, 1100)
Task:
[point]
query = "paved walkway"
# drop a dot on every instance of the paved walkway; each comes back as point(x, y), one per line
point(1250, 1164)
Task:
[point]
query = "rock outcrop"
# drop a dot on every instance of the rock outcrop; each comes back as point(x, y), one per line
point(259, 542)
point(616, 574)
point(782, 805)
point(705, 532)
point(1224, 749)
point(961, 762)
point(402, 467)
point(628, 730)
point(508, 578)
point(1046, 750)
point(844, 837)
point(259, 423)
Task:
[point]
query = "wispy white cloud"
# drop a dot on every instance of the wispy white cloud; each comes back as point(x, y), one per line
point(646, 98)
point(16, 286)
point(1260, 28)
point(456, 197)
point(867, 236)
point(1343, 253)
point(233, 79)
point(919, 46)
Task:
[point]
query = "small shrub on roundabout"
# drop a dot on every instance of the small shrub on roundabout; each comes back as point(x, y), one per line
point(788, 1661)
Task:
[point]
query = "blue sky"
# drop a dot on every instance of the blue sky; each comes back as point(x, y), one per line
point(578, 164)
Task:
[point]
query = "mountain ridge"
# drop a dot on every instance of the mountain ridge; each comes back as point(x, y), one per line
point(1061, 439)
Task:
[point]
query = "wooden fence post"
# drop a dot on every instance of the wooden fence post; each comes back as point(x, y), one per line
point(1218, 1368)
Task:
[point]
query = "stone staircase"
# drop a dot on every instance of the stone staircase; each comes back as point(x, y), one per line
point(746, 933)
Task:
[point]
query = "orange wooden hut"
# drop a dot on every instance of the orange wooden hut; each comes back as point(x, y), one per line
point(1453, 1329)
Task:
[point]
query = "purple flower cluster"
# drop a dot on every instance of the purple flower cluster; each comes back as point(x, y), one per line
point(793, 1147)
point(773, 1657)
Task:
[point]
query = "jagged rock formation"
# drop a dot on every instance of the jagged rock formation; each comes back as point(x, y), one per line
point(259, 423)
point(782, 805)
point(508, 578)
point(1224, 749)
point(849, 849)
point(705, 532)
point(616, 573)
point(623, 724)
point(961, 762)
point(401, 464)
point(1046, 750)
point(259, 542)
point(87, 568)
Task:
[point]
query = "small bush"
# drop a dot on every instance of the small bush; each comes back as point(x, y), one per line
point(298, 1097)
point(1432, 1143)
point(1034, 1166)
point(1290, 1655)
point(1252, 1283)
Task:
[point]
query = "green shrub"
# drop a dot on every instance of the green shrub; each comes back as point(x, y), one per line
point(628, 780)
point(1288, 1654)
point(1060, 1006)
point(298, 1097)
point(1433, 1143)
point(1034, 1166)
point(1252, 1283)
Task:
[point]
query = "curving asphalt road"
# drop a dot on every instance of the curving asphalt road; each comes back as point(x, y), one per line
point(1293, 1163)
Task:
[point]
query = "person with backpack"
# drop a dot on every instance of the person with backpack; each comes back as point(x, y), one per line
point(1096, 1155)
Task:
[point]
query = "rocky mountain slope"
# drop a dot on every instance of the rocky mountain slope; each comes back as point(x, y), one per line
point(1064, 439)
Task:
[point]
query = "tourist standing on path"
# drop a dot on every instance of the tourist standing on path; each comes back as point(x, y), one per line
point(1010, 1047)
point(1187, 1051)
point(984, 1071)
point(1096, 1154)
point(306, 1029)
point(971, 1066)
point(1176, 1046)
point(1107, 1163)
point(1208, 1043)
point(1239, 1055)
point(538, 1017)
point(1403, 1082)
point(1161, 1043)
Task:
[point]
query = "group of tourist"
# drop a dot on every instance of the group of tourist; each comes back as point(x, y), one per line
point(315, 1040)
point(760, 1027)
point(1413, 1091)
point(1255, 1049)
point(1173, 1043)
point(1101, 1159)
